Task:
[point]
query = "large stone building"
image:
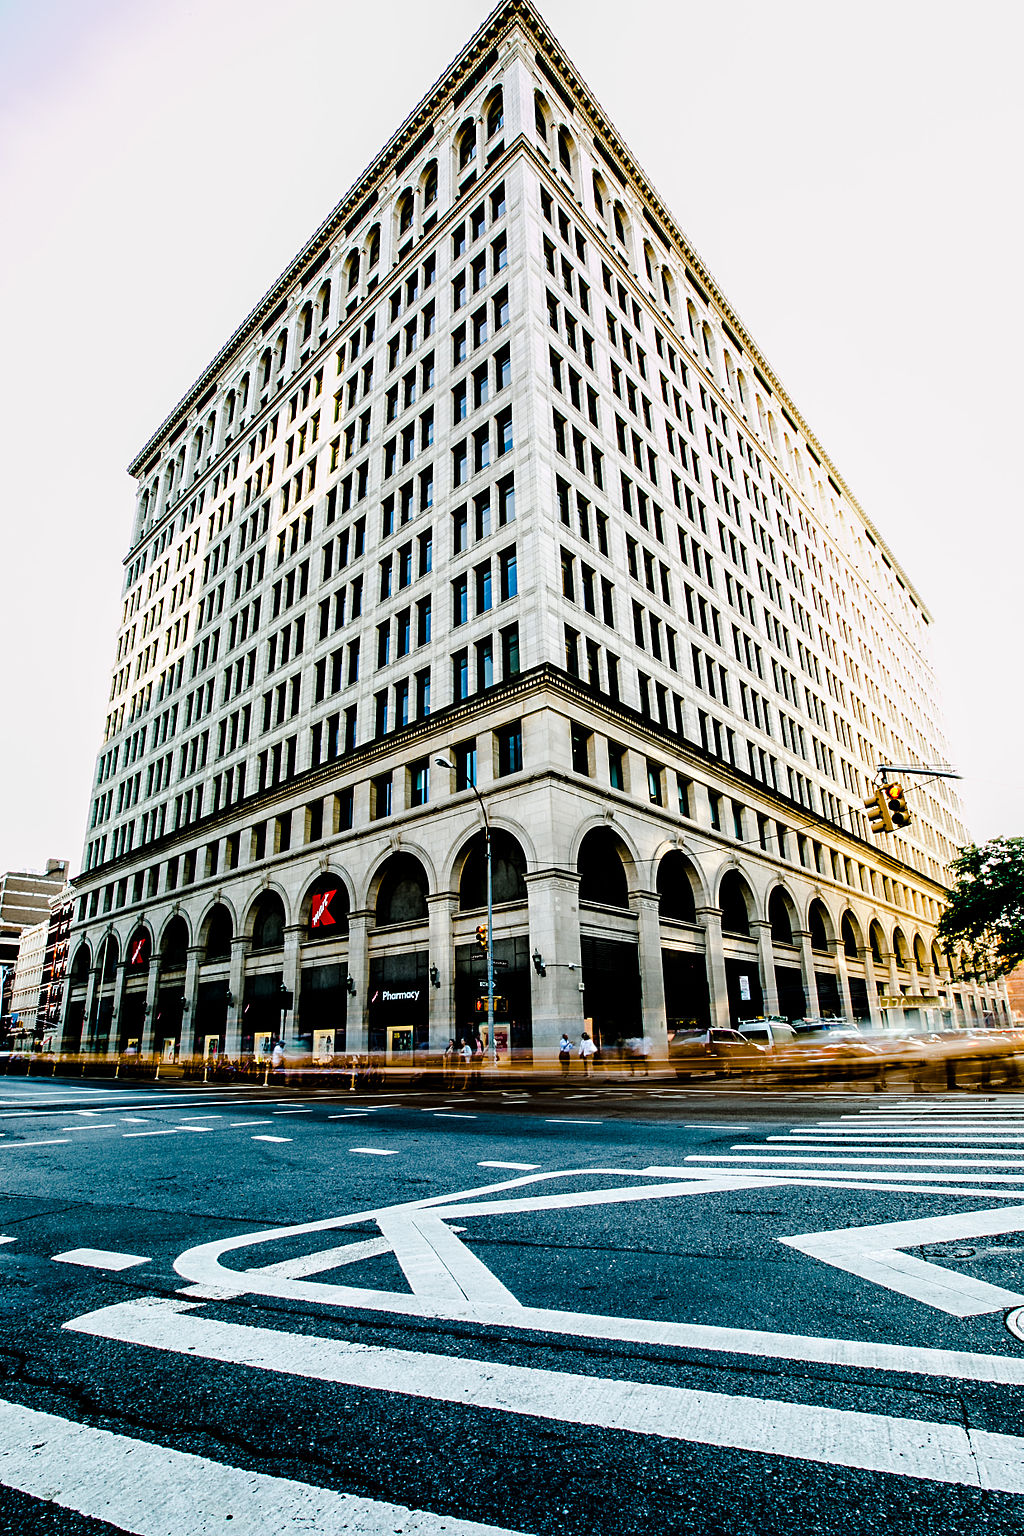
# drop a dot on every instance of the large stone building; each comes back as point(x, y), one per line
point(494, 473)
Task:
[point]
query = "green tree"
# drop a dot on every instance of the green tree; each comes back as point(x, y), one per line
point(985, 911)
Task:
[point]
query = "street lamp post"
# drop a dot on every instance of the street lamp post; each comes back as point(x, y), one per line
point(442, 762)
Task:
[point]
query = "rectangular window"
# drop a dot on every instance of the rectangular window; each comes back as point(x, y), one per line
point(460, 676)
point(616, 766)
point(464, 758)
point(579, 744)
point(510, 651)
point(419, 782)
point(508, 574)
point(460, 600)
point(509, 746)
point(380, 796)
point(655, 783)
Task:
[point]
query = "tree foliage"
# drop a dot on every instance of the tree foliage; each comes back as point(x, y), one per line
point(985, 912)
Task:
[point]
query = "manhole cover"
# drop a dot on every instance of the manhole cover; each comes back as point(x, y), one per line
point(1015, 1323)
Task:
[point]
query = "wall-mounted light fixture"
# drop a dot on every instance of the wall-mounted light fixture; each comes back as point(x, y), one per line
point(435, 976)
point(538, 963)
point(350, 985)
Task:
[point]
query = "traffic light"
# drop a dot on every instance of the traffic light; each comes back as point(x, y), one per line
point(897, 805)
point(877, 807)
point(481, 935)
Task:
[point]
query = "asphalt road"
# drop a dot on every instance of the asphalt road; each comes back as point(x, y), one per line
point(620, 1308)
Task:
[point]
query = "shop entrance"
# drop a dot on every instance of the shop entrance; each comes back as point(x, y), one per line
point(400, 1044)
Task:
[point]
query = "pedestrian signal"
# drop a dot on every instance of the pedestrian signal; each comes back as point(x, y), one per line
point(481, 935)
point(897, 805)
point(877, 807)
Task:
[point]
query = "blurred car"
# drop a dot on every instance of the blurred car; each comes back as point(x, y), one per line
point(771, 1034)
point(720, 1052)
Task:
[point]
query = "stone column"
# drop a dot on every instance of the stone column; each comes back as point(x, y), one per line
point(646, 905)
point(803, 941)
point(762, 931)
point(357, 1023)
point(149, 1021)
point(442, 906)
point(190, 1005)
point(836, 947)
point(894, 975)
point(290, 977)
point(91, 1004)
point(710, 919)
point(872, 987)
point(236, 986)
point(556, 1001)
point(120, 981)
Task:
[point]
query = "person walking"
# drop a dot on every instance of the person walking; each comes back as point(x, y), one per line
point(466, 1053)
point(587, 1050)
point(564, 1053)
point(449, 1059)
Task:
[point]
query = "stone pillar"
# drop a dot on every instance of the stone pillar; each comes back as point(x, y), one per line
point(357, 1028)
point(646, 905)
point(836, 947)
point(872, 987)
point(91, 1004)
point(120, 981)
point(290, 978)
point(803, 942)
point(236, 986)
point(556, 1001)
point(442, 906)
point(762, 931)
point(149, 1021)
point(894, 975)
point(190, 1005)
point(710, 919)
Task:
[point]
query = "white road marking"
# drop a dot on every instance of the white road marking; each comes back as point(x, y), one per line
point(153, 1491)
point(873, 1253)
point(239, 1125)
point(443, 1114)
point(303, 1111)
point(929, 1450)
point(517, 1167)
point(133, 1120)
point(270, 1138)
point(99, 1258)
point(775, 1158)
point(374, 1151)
point(574, 1122)
point(8, 1239)
point(70, 1128)
point(14, 1146)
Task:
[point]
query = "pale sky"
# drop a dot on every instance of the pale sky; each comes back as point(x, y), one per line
point(851, 176)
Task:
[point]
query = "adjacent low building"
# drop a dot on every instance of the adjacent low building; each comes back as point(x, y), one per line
point(495, 477)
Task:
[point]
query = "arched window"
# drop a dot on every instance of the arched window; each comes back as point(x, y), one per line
point(666, 286)
point(373, 247)
point(268, 922)
point(325, 909)
point(565, 150)
point(876, 938)
point(541, 116)
point(352, 271)
point(817, 928)
point(619, 222)
point(600, 193)
point(430, 184)
point(306, 321)
point(109, 958)
point(495, 114)
point(466, 145)
point(405, 212)
point(508, 871)
point(137, 955)
point(734, 901)
point(675, 887)
point(648, 262)
point(80, 965)
point(603, 880)
point(174, 945)
point(323, 303)
point(266, 363)
point(281, 350)
point(402, 893)
point(851, 948)
point(243, 392)
point(218, 931)
point(780, 915)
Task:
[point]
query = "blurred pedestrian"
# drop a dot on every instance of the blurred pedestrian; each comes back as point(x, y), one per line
point(565, 1053)
point(587, 1050)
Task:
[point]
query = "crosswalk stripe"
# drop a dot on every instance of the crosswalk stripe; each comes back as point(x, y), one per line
point(153, 1491)
point(929, 1450)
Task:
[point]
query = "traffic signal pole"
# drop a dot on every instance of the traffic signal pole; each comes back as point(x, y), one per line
point(490, 943)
